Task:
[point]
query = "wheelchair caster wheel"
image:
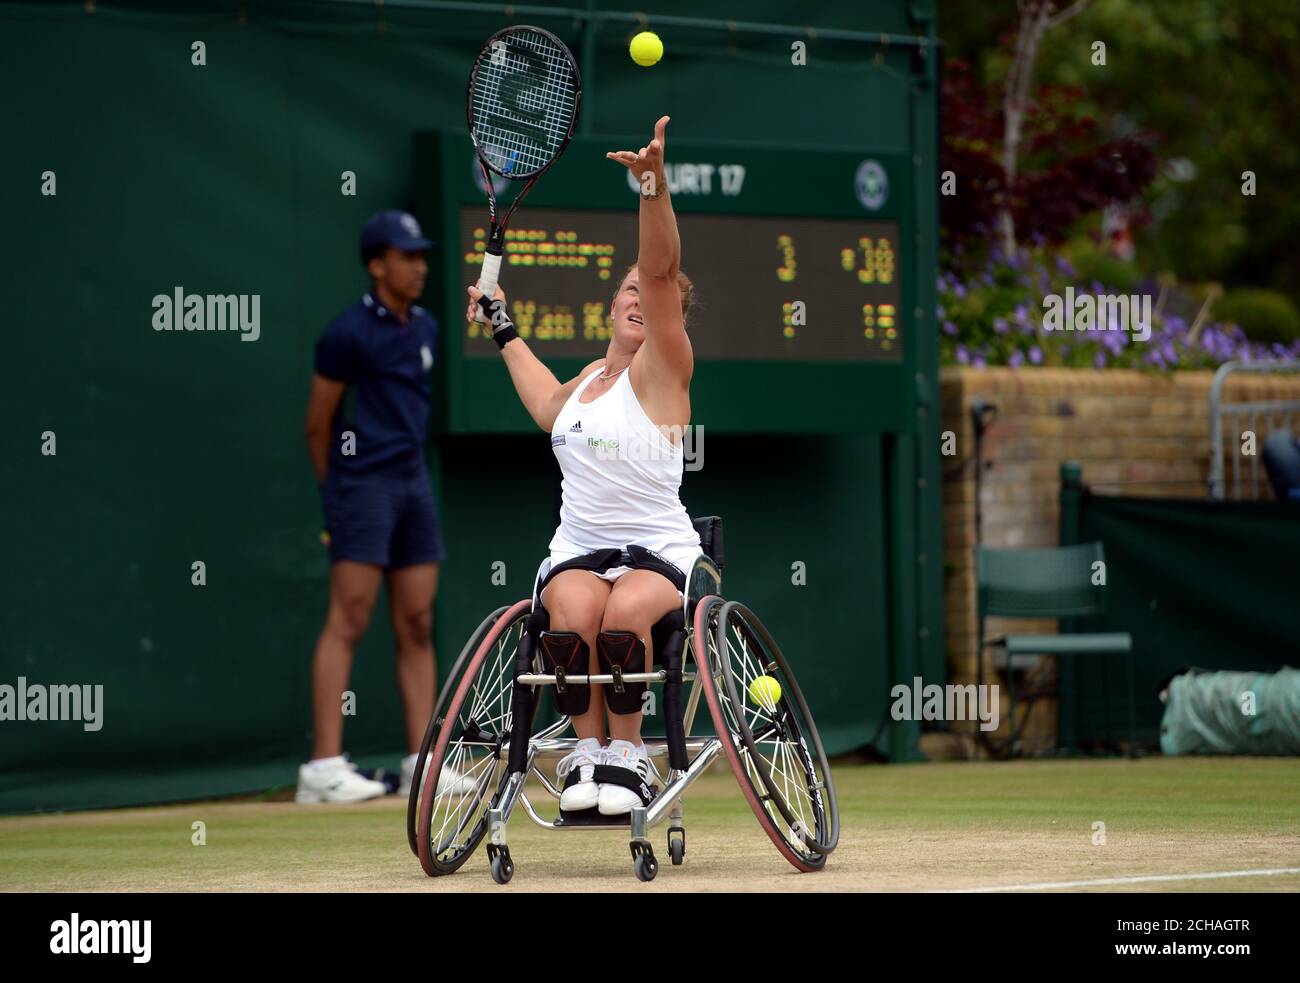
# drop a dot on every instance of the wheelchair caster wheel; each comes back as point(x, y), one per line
point(502, 867)
point(643, 862)
point(677, 845)
point(646, 866)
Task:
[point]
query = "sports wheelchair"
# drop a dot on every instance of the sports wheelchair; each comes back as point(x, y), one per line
point(485, 727)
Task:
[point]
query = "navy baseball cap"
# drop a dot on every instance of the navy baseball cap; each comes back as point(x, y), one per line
point(393, 228)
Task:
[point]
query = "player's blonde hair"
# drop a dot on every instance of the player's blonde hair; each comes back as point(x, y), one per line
point(684, 285)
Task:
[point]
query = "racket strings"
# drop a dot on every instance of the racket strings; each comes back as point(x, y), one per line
point(519, 126)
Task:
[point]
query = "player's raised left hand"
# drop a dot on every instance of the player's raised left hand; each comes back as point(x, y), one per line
point(648, 160)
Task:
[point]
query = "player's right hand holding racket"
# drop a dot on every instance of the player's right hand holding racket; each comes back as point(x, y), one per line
point(493, 313)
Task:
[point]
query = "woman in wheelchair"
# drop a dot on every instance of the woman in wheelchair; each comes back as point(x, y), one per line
point(620, 554)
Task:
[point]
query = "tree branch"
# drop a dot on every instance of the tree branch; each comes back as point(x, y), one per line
point(1066, 14)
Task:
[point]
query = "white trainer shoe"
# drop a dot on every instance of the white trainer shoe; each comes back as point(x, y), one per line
point(335, 780)
point(575, 772)
point(450, 782)
point(617, 800)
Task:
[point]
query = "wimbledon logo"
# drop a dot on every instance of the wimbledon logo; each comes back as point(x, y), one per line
point(871, 184)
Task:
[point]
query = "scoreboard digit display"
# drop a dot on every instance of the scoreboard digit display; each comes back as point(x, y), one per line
point(776, 289)
point(807, 294)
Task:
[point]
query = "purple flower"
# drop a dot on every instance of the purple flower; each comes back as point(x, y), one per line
point(1063, 266)
point(1099, 360)
point(963, 356)
point(960, 290)
point(1022, 313)
point(1000, 325)
point(978, 362)
point(1016, 359)
point(950, 329)
point(1036, 355)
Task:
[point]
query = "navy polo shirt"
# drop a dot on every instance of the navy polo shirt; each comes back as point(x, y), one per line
point(386, 365)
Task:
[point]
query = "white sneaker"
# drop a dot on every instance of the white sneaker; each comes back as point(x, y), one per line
point(450, 782)
point(335, 780)
point(574, 774)
point(617, 800)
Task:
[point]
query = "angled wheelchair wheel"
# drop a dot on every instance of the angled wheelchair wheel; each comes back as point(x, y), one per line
point(445, 693)
point(467, 737)
point(770, 741)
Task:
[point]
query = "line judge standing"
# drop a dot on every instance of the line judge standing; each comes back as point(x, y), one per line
point(380, 516)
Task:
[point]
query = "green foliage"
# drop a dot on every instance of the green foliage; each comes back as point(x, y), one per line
point(1265, 315)
point(1214, 80)
point(1094, 263)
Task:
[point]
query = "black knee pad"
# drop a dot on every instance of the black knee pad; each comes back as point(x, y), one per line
point(621, 652)
point(566, 654)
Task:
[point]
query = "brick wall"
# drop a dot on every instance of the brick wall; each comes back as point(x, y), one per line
point(1135, 433)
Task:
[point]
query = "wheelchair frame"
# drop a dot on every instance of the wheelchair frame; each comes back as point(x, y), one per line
point(681, 660)
point(669, 802)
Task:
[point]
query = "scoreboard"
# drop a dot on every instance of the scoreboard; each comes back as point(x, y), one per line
point(777, 288)
point(806, 291)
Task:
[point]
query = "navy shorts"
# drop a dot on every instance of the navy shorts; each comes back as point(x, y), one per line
point(390, 521)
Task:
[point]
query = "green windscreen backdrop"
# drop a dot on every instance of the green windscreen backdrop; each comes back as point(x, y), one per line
point(172, 448)
point(1212, 585)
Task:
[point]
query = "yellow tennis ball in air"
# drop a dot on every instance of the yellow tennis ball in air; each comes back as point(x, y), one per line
point(646, 48)
point(765, 692)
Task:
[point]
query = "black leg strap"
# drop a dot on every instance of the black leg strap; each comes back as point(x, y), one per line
point(566, 654)
point(620, 653)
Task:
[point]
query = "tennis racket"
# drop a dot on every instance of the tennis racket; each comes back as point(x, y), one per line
point(524, 93)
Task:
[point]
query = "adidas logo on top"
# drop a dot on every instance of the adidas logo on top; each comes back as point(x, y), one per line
point(576, 428)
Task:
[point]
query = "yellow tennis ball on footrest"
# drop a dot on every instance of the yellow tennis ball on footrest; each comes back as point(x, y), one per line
point(765, 692)
point(646, 48)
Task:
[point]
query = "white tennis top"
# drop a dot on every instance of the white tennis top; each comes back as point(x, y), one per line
point(621, 478)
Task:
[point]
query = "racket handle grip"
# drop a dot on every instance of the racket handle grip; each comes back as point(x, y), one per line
point(487, 280)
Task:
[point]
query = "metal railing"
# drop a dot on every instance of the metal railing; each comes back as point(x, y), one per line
point(1285, 411)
